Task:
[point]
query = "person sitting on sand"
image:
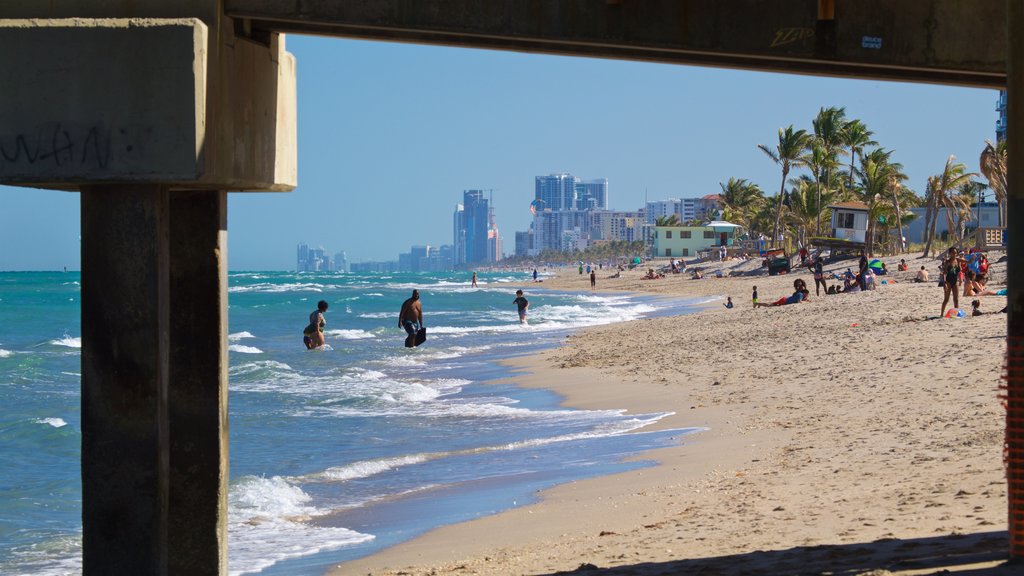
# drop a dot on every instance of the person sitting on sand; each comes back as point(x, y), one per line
point(974, 285)
point(976, 308)
point(799, 295)
point(728, 302)
point(922, 275)
point(902, 267)
point(697, 275)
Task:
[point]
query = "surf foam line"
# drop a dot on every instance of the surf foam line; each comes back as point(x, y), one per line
point(367, 468)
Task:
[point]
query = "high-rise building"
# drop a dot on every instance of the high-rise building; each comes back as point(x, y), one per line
point(546, 233)
point(556, 192)
point(459, 236)
point(475, 235)
point(524, 242)
point(1001, 122)
point(616, 225)
point(302, 258)
point(476, 215)
point(663, 209)
point(312, 259)
point(341, 262)
point(592, 194)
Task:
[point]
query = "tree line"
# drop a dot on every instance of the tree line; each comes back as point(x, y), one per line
point(839, 161)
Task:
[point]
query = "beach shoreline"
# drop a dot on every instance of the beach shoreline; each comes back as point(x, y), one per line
point(851, 430)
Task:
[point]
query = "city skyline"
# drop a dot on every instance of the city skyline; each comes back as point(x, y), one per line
point(389, 133)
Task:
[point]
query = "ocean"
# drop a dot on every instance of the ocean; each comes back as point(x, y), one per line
point(334, 453)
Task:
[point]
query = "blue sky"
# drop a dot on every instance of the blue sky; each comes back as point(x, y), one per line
point(391, 134)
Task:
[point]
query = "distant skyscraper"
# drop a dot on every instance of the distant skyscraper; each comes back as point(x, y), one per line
point(524, 242)
point(341, 262)
point(556, 192)
point(459, 236)
point(592, 194)
point(302, 258)
point(312, 259)
point(1001, 122)
point(663, 208)
point(474, 231)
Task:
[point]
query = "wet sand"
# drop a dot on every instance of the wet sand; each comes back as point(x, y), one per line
point(853, 433)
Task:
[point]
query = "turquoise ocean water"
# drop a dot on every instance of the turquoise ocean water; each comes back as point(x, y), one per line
point(335, 453)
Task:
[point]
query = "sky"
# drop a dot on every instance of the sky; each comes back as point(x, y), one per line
point(390, 135)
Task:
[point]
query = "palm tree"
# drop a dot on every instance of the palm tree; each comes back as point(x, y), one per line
point(856, 136)
point(670, 220)
point(741, 199)
point(879, 181)
point(967, 194)
point(828, 135)
point(788, 153)
point(819, 163)
point(940, 185)
point(993, 166)
point(803, 207)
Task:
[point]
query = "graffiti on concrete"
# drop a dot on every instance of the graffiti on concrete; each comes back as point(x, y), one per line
point(58, 145)
point(785, 36)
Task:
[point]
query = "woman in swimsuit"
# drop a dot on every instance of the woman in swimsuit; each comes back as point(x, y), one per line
point(951, 268)
point(313, 334)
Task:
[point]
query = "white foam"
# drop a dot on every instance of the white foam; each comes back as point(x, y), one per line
point(349, 334)
point(367, 468)
point(244, 349)
point(5, 353)
point(55, 422)
point(250, 367)
point(269, 521)
point(239, 335)
point(271, 288)
point(68, 342)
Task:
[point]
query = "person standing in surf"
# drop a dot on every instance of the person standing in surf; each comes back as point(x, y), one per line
point(411, 317)
point(522, 304)
point(313, 333)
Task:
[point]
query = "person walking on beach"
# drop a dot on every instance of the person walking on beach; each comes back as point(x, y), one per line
point(581, 268)
point(951, 268)
point(411, 317)
point(755, 297)
point(819, 276)
point(313, 333)
point(534, 274)
point(593, 279)
point(474, 279)
point(522, 304)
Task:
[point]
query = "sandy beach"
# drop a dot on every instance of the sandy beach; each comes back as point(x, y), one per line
point(850, 434)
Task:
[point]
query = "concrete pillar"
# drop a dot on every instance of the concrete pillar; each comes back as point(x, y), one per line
point(1014, 385)
point(198, 383)
point(154, 380)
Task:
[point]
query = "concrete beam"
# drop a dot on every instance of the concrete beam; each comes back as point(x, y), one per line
point(168, 101)
point(154, 380)
point(102, 100)
point(940, 41)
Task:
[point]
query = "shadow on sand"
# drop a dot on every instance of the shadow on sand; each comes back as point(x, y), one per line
point(968, 554)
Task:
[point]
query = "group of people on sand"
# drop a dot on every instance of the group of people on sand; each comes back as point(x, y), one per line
point(955, 271)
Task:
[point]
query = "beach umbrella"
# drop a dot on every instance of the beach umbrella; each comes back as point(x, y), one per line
point(875, 265)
